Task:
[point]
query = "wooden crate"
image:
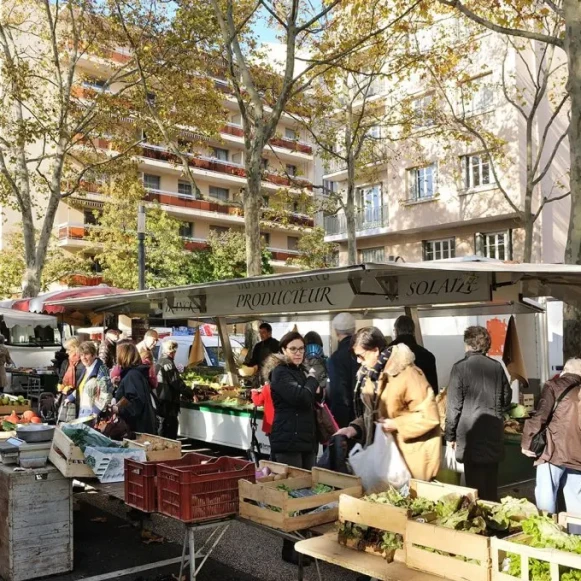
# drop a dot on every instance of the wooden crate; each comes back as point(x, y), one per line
point(172, 449)
point(458, 543)
point(6, 410)
point(280, 471)
point(67, 457)
point(36, 528)
point(555, 558)
point(266, 493)
point(390, 518)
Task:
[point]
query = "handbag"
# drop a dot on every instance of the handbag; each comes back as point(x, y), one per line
point(539, 440)
point(326, 424)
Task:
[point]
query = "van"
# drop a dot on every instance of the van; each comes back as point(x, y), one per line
point(212, 350)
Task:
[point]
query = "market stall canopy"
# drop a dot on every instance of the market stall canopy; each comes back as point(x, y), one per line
point(40, 304)
point(13, 318)
point(436, 288)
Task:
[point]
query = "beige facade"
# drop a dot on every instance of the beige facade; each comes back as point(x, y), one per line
point(218, 169)
point(437, 198)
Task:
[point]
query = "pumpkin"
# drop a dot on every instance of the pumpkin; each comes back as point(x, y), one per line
point(13, 418)
point(35, 420)
point(28, 415)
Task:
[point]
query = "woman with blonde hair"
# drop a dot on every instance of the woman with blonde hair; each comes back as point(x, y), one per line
point(170, 386)
point(134, 397)
point(70, 375)
point(94, 391)
point(393, 392)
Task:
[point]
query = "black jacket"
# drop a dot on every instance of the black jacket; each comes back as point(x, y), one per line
point(293, 396)
point(425, 360)
point(478, 394)
point(261, 351)
point(342, 368)
point(139, 412)
point(170, 386)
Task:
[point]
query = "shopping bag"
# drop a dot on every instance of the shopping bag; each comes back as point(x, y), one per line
point(380, 465)
point(451, 471)
point(326, 424)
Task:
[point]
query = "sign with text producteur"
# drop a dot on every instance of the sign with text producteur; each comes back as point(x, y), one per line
point(436, 288)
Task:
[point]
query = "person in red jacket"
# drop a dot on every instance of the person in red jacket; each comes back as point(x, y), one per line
point(263, 397)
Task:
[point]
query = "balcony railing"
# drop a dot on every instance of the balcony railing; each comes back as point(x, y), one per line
point(365, 219)
point(186, 201)
point(335, 165)
point(284, 142)
point(224, 167)
point(72, 231)
point(282, 254)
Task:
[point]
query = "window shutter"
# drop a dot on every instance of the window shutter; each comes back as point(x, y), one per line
point(453, 247)
point(509, 245)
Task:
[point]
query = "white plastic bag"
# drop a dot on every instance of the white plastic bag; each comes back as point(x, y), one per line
point(449, 461)
point(380, 465)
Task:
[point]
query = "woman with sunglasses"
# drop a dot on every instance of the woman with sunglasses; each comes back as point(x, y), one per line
point(393, 392)
point(294, 389)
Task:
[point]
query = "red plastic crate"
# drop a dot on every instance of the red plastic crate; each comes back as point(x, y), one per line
point(140, 479)
point(200, 493)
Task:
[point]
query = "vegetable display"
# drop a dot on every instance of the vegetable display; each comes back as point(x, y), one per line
point(543, 532)
point(206, 388)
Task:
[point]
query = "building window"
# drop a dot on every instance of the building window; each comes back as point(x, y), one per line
point(90, 218)
point(219, 193)
point(185, 189)
point(373, 254)
point(186, 229)
point(219, 229)
point(477, 171)
point(264, 163)
point(439, 249)
point(265, 236)
point(292, 243)
point(221, 154)
point(422, 111)
point(97, 84)
point(478, 96)
point(265, 201)
point(291, 169)
point(422, 182)
point(374, 132)
point(329, 187)
point(290, 133)
point(496, 245)
point(151, 182)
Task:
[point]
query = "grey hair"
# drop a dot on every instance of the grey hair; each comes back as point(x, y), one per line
point(344, 323)
point(573, 366)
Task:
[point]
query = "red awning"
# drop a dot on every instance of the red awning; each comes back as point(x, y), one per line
point(37, 304)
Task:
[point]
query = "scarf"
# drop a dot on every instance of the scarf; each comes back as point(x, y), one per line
point(373, 374)
point(70, 376)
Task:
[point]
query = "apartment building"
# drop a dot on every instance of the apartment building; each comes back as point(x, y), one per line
point(218, 169)
point(436, 199)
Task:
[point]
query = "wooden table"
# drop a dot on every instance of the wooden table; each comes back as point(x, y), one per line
point(36, 528)
point(327, 548)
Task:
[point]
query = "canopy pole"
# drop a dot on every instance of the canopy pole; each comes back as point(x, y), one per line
point(412, 312)
point(228, 354)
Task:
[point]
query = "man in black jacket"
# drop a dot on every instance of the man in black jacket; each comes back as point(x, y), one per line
point(108, 347)
point(478, 394)
point(265, 347)
point(342, 368)
point(405, 330)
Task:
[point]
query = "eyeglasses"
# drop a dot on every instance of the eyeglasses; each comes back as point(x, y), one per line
point(294, 350)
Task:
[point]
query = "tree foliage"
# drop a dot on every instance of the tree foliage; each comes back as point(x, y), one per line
point(225, 258)
point(167, 263)
point(315, 253)
point(59, 266)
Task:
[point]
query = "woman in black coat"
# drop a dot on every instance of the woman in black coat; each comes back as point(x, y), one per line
point(294, 390)
point(134, 397)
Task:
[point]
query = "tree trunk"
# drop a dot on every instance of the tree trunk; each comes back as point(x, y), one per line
point(572, 315)
point(252, 206)
point(350, 221)
point(529, 229)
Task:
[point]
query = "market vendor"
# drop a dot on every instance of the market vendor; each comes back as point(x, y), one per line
point(265, 347)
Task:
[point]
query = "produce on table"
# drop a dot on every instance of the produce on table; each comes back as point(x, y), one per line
point(515, 411)
point(10, 422)
point(83, 436)
point(15, 401)
point(513, 427)
point(361, 538)
point(543, 532)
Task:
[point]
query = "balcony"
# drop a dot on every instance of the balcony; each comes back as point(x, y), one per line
point(335, 165)
point(73, 235)
point(195, 243)
point(222, 167)
point(185, 201)
point(83, 280)
point(282, 254)
point(283, 142)
point(367, 221)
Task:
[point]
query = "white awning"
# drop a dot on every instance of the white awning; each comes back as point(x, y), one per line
point(12, 317)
